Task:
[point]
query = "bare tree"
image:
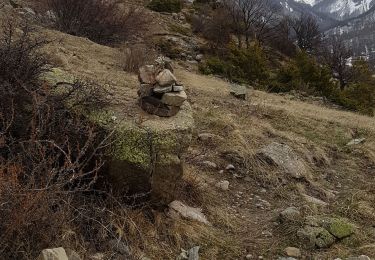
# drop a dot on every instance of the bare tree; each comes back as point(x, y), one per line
point(336, 55)
point(252, 19)
point(307, 32)
point(217, 29)
point(281, 39)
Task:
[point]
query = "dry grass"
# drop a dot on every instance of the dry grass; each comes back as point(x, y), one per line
point(243, 127)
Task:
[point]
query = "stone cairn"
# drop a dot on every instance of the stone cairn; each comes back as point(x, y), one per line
point(159, 92)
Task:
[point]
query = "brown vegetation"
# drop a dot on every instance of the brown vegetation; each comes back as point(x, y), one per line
point(99, 20)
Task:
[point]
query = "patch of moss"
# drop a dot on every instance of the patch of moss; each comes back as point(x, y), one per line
point(338, 227)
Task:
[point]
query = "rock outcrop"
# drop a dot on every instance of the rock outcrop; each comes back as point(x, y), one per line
point(146, 157)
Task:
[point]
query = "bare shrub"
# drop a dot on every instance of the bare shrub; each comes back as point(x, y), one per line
point(101, 21)
point(48, 153)
point(137, 56)
point(217, 29)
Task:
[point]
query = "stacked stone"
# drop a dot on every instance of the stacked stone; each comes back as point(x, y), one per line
point(159, 92)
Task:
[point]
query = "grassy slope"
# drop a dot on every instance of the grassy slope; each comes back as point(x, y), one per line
point(318, 134)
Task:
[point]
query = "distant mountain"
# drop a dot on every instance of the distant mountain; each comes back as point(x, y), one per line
point(296, 7)
point(353, 19)
point(343, 9)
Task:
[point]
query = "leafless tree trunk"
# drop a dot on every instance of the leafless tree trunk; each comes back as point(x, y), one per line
point(336, 55)
point(307, 32)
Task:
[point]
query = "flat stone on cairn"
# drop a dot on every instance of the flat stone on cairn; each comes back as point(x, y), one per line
point(159, 92)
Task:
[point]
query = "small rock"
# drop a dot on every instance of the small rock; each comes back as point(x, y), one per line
point(247, 179)
point(187, 212)
point(178, 88)
point(199, 57)
point(174, 98)
point(166, 78)
point(290, 214)
point(249, 257)
point(230, 167)
point(362, 257)
point(284, 157)
point(53, 254)
point(29, 11)
point(292, 251)
point(97, 256)
point(183, 255)
point(356, 141)
point(161, 90)
point(286, 258)
point(315, 201)
point(209, 164)
point(206, 137)
point(193, 253)
point(224, 185)
point(239, 91)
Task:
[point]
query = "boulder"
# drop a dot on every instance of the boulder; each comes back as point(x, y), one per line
point(146, 157)
point(338, 227)
point(174, 98)
point(322, 232)
point(53, 254)
point(166, 78)
point(147, 74)
point(284, 157)
point(178, 208)
point(315, 237)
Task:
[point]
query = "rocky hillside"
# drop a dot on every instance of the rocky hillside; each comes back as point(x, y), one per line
point(265, 176)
